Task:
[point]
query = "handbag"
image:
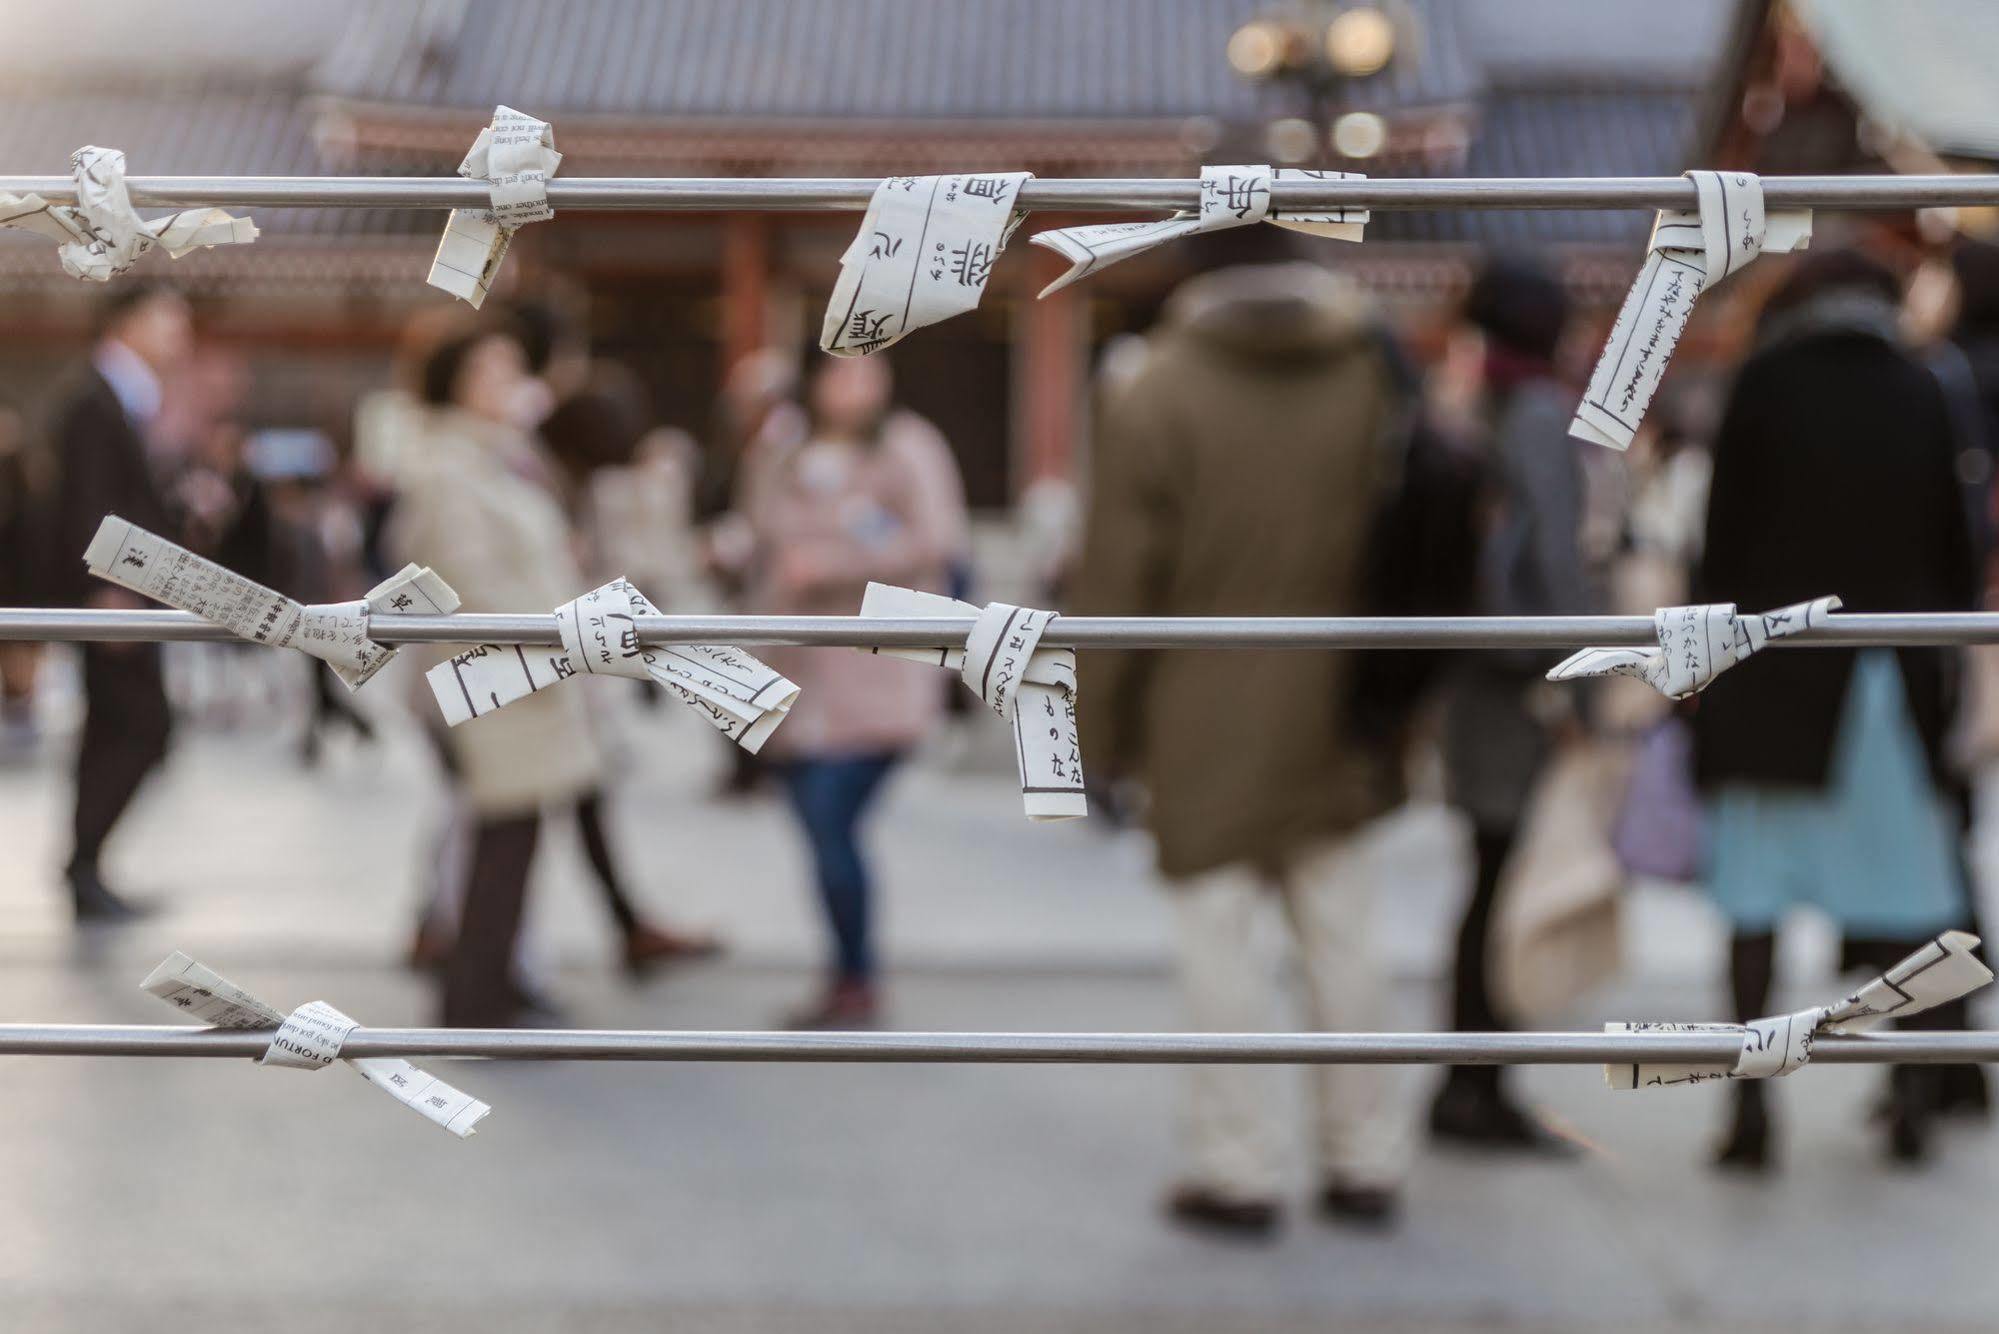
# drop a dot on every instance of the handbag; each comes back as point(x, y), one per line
point(1658, 829)
point(1557, 922)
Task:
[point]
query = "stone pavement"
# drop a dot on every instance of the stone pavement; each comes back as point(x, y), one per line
point(880, 1198)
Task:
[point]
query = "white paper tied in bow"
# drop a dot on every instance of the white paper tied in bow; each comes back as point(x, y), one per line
point(335, 632)
point(1230, 197)
point(1696, 644)
point(1033, 688)
point(1689, 252)
point(515, 156)
point(101, 236)
point(743, 698)
point(1936, 974)
point(309, 1038)
point(923, 254)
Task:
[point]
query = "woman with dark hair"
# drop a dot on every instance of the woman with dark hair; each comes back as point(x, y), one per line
point(476, 501)
point(872, 493)
point(1823, 772)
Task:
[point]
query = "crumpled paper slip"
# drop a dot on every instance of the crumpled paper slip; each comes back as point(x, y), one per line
point(515, 156)
point(100, 236)
point(1934, 975)
point(1696, 644)
point(309, 1038)
point(1689, 252)
point(742, 697)
point(1230, 197)
point(923, 254)
point(334, 632)
point(1034, 688)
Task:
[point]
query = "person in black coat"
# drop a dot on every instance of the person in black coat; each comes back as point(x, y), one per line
point(1834, 472)
point(101, 466)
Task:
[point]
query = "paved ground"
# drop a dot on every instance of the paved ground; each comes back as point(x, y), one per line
point(621, 1197)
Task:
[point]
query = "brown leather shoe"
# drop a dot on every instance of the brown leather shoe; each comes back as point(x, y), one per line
point(844, 1005)
point(649, 946)
point(1208, 1210)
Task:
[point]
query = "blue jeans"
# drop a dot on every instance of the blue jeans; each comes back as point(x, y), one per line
point(830, 794)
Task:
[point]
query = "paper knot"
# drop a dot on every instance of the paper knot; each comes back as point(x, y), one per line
point(1936, 974)
point(1003, 663)
point(1696, 644)
point(515, 156)
point(334, 632)
point(101, 235)
point(744, 699)
point(1689, 252)
point(309, 1038)
point(1230, 197)
point(924, 252)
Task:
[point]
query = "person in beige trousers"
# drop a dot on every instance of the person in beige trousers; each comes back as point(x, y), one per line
point(1235, 474)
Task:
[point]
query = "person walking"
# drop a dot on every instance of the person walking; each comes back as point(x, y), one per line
point(1235, 473)
point(475, 502)
point(1824, 773)
point(871, 493)
point(102, 465)
point(1501, 720)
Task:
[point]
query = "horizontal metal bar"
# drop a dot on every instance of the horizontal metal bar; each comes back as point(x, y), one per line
point(1114, 195)
point(508, 1044)
point(1127, 632)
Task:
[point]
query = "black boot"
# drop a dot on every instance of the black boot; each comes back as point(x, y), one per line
point(1912, 1104)
point(97, 905)
point(1747, 1148)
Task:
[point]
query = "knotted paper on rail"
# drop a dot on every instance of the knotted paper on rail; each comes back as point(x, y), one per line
point(334, 632)
point(1230, 197)
point(742, 697)
point(923, 254)
point(1934, 975)
point(100, 235)
point(309, 1038)
point(1689, 253)
point(1033, 688)
point(515, 156)
point(1696, 644)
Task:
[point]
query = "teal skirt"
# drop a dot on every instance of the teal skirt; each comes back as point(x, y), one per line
point(1876, 849)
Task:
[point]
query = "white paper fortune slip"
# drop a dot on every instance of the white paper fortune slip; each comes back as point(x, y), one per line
point(100, 236)
point(1934, 975)
point(1696, 644)
point(1034, 688)
point(309, 1038)
point(743, 698)
point(515, 156)
point(1230, 197)
point(1689, 253)
point(923, 254)
point(336, 632)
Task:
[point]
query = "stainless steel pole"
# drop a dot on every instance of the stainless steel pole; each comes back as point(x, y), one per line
point(783, 195)
point(1128, 632)
point(1002, 1048)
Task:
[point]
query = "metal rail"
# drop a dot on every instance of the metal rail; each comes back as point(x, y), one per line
point(506, 1044)
point(1903, 629)
point(793, 195)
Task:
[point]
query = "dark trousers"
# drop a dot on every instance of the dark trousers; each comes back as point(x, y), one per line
point(1472, 1006)
point(829, 796)
point(125, 727)
point(479, 980)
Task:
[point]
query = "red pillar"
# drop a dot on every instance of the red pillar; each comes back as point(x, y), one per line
point(1052, 338)
point(745, 285)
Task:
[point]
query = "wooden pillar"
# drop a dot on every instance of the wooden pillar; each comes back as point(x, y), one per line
point(1050, 350)
point(745, 285)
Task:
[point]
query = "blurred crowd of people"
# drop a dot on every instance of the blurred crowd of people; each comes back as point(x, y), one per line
point(1270, 448)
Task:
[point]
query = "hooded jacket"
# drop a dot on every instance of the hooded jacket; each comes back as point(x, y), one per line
point(1236, 474)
